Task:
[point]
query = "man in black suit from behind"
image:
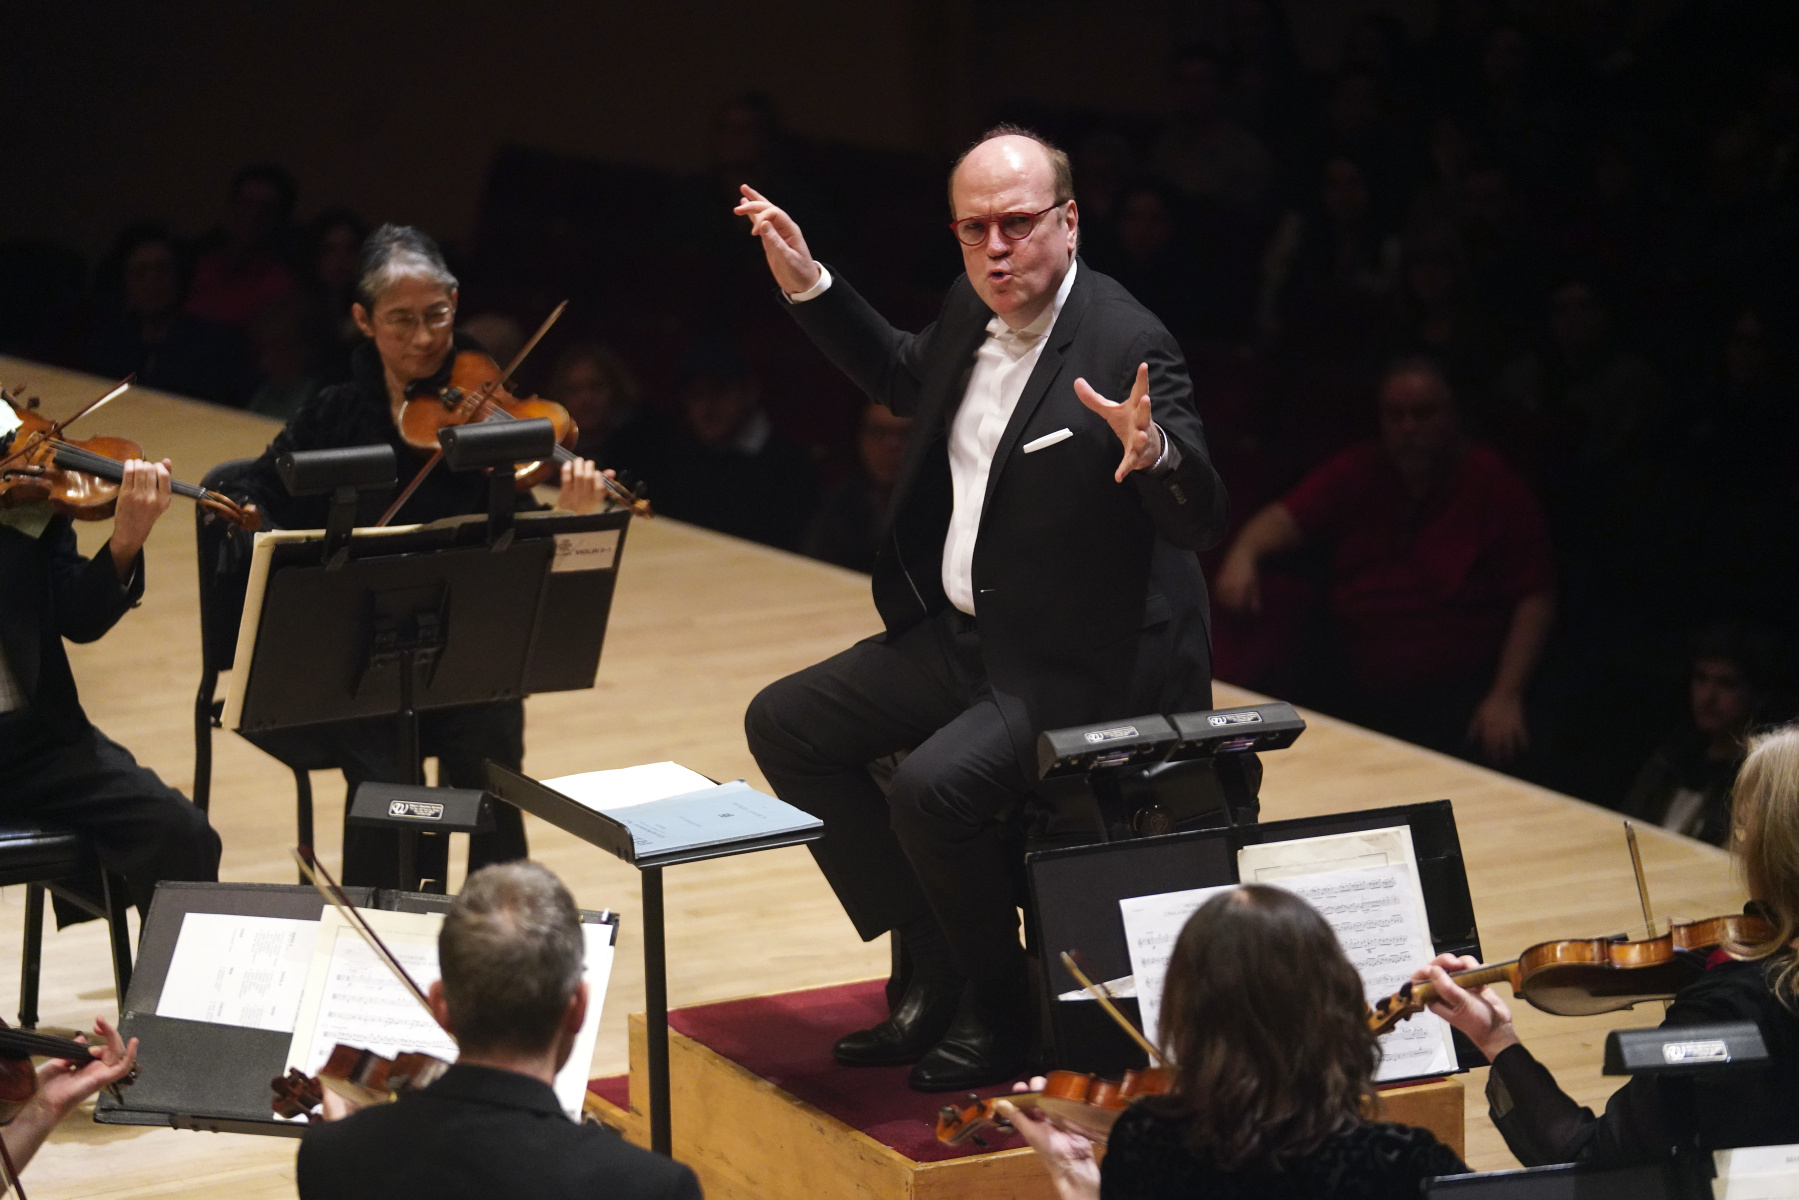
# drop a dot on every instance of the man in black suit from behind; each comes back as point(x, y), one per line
point(490, 1127)
point(1028, 576)
point(54, 764)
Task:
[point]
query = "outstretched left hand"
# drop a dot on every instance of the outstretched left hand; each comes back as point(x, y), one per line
point(1131, 421)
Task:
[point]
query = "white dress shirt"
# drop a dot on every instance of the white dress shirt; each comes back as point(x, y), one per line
point(1002, 366)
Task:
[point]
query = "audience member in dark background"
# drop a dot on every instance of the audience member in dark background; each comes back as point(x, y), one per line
point(333, 256)
point(847, 528)
point(727, 468)
point(618, 429)
point(1686, 784)
point(246, 264)
point(1439, 577)
point(140, 326)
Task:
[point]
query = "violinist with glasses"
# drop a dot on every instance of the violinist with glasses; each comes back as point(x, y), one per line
point(406, 308)
point(1756, 981)
point(1272, 1076)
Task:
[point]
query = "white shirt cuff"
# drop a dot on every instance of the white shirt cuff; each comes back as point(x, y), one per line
point(818, 289)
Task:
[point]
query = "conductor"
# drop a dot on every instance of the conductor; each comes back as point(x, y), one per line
point(1036, 569)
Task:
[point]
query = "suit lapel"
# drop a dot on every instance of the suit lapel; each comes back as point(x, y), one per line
point(1049, 365)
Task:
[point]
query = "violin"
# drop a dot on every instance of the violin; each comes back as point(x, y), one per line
point(18, 1074)
point(80, 478)
point(1084, 1104)
point(1581, 977)
point(360, 1076)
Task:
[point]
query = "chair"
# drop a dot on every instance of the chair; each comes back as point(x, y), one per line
point(40, 855)
point(222, 588)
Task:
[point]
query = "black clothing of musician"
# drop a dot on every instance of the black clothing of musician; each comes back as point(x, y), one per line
point(55, 765)
point(485, 1134)
point(1650, 1114)
point(1087, 605)
point(1147, 1159)
point(462, 739)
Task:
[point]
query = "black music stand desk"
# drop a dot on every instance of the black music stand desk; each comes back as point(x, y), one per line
point(650, 853)
point(201, 1075)
point(407, 620)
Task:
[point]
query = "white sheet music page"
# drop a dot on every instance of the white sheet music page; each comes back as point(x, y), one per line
point(238, 970)
point(607, 791)
point(352, 998)
point(1152, 924)
point(1371, 910)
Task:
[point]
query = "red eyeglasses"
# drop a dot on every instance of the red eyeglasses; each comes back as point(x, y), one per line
point(1013, 226)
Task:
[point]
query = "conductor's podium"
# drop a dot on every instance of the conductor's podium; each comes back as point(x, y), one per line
point(761, 1112)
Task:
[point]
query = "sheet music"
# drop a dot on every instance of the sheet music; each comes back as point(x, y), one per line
point(1152, 924)
point(238, 970)
point(351, 997)
point(1372, 913)
point(604, 791)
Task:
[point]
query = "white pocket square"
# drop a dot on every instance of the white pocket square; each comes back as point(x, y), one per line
point(1048, 439)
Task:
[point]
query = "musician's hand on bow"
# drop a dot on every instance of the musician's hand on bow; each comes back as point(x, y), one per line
point(63, 1084)
point(1068, 1156)
point(1476, 1011)
point(582, 491)
point(145, 493)
point(782, 242)
point(1131, 421)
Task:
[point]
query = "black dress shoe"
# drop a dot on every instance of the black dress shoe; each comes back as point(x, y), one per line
point(917, 1023)
point(974, 1053)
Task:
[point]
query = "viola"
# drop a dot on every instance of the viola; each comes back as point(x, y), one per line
point(360, 1076)
point(80, 478)
point(1084, 1104)
point(477, 392)
point(1580, 977)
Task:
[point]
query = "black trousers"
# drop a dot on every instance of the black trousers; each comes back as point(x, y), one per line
point(462, 740)
point(934, 844)
point(141, 827)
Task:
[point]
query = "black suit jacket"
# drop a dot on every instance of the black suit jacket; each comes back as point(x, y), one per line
point(1089, 595)
point(48, 592)
point(484, 1134)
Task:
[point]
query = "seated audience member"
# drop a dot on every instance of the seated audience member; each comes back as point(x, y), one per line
point(1685, 785)
point(1273, 1075)
point(512, 996)
point(848, 525)
point(1440, 583)
point(247, 270)
point(1440, 316)
point(1331, 256)
point(1150, 253)
point(1760, 983)
point(498, 334)
point(617, 428)
point(1202, 152)
point(54, 765)
point(334, 258)
point(61, 1086)
point(140, 328)
point(286, 342)
point(727, 468)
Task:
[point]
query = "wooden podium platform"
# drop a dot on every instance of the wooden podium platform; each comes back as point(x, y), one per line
point(748, 1138)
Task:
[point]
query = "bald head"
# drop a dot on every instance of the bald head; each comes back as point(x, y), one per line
point(1016, 264)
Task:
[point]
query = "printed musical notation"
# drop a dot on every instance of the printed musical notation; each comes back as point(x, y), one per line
point(238, 970)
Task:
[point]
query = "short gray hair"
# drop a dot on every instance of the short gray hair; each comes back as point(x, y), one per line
point(512, 955)
point(395, 251)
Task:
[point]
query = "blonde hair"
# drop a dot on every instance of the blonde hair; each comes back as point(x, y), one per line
point(1765, 816)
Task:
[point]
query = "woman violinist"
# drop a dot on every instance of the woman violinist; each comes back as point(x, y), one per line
point(1757, 983)
point(406, 307)
point(56, 1088)
point(1273, 1075)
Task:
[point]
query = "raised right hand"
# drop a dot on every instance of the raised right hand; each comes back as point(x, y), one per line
point(782, 242)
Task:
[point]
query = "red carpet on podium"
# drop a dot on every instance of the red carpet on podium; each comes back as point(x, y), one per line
point(786, 1039)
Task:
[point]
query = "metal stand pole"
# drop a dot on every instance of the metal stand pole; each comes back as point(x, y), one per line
point(408, 743)
point(655, 990)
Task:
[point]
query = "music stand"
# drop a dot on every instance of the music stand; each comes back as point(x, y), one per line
point(401, 622)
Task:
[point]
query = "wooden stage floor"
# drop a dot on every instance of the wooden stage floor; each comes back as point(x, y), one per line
point(700, 623)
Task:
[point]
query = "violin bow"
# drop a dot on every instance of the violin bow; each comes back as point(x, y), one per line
point(315, 872)
point(437, 454)
point(120, 389)
point(1636, 863)
point(1105, 1002)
